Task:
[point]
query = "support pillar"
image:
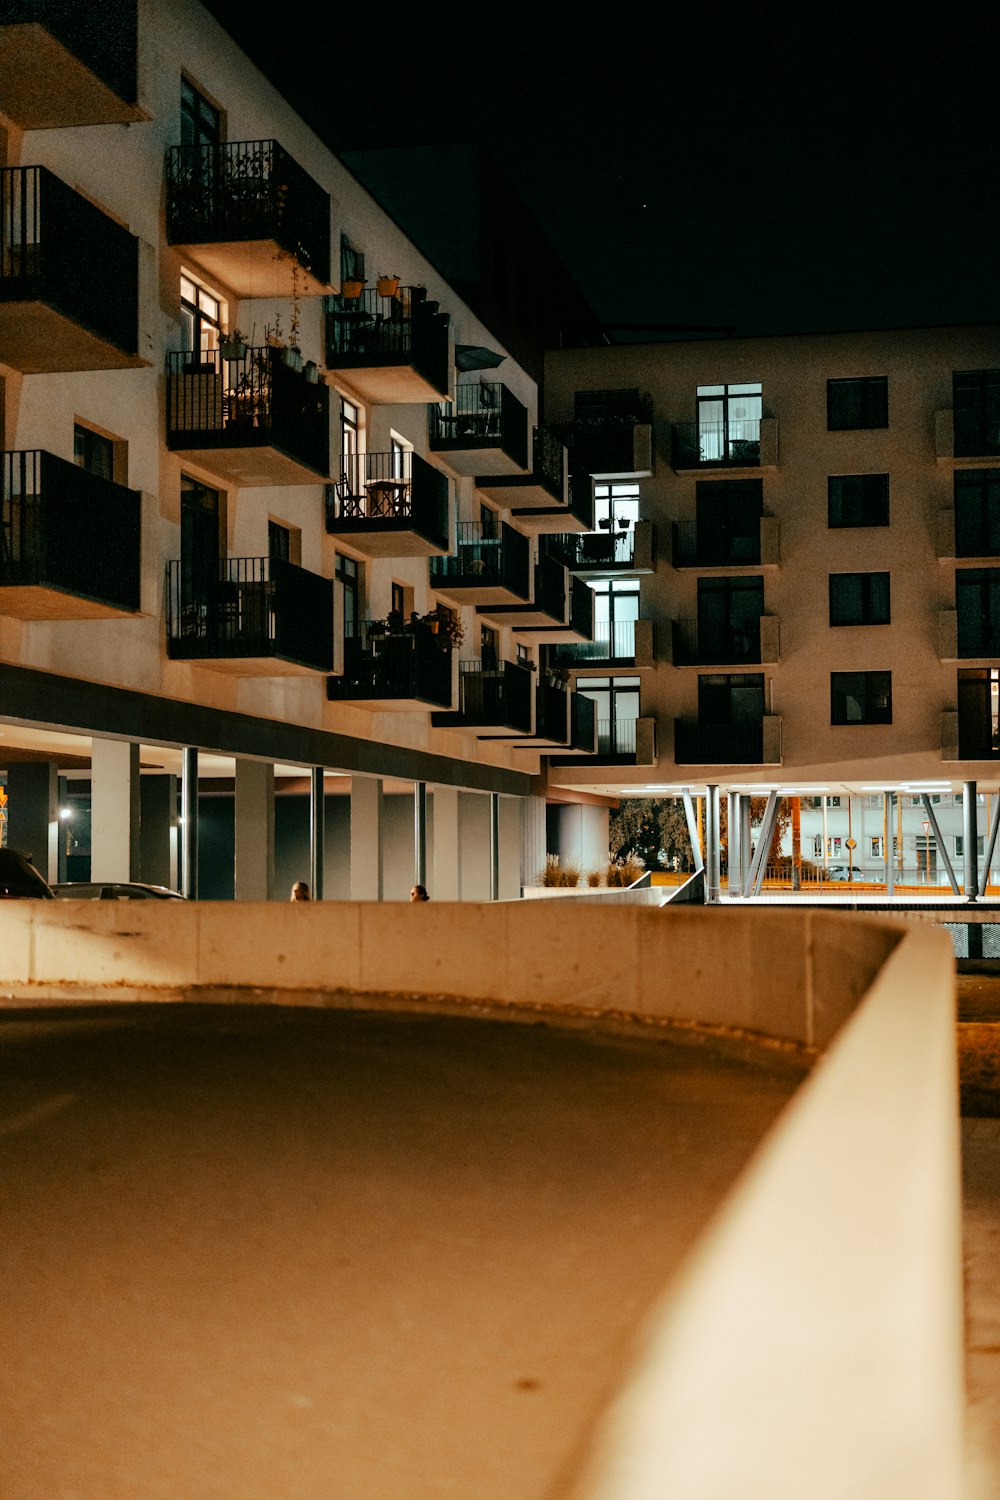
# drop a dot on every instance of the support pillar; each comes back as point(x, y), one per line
point(991, 843)
point(33, 814)
point(254, 815)
point(448, 844)
point(942, 847)
point(970, 835)
point(734, 857)
point(890, 861)
point(366, 838)
point(189, 824)
point(712, 877)
point(420, 833)
point(746, 843)
point(694, 832)
point(494, 846)
point(534, 842)
point(317, 831)
point(114, 810)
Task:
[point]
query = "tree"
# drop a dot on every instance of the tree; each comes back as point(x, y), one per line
point(655, 830)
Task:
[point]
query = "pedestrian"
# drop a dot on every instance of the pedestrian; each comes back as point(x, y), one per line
point(419, 893)
point(301, 891)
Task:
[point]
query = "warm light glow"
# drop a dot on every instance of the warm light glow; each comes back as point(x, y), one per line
point(65, 812)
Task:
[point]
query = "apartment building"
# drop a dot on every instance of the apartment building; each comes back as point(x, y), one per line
point(795, 569)
point(275, 500)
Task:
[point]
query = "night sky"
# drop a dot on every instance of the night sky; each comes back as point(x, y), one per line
point(723, 164)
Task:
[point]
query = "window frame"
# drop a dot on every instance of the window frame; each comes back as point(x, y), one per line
point(875, 683)
point(866, 600)
point(873, 393)
point(870, 505)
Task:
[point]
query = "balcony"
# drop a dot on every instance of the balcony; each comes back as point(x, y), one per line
point(390, 350)
point(624, 553)
point(616, 644)
point(389, 505)
point(254, 616)
point(622, 742)
point(617, 445)
point(485, 428)
point(68, 65)
point(545, 608)
point(495, 701)
point(394, 667)
point(69, 279)
point(485, 570)
point(253, 421)
point(700, 547)
point(545, 492)
point(69, 541)
point(250, 217)
point(577, 628)
point(755, 643)
point(750, 443)
point(755, 743)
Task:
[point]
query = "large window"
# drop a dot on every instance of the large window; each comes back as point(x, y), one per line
point(616, 702)
point(729, 611)
point(616, 609)
point(93, 452)
point(729, 512)
point(859, 598)
point(616, 507)
point(731, 698)
point(978, 714)
point(858, 499)
point(861, 697)
point(201, 123)
point(201, 318)
point(857, 403)
point(729, 422)
point(976, 398)
point(348, 575)
point(977, 598)
point(977, 512)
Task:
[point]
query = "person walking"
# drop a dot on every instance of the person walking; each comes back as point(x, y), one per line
point(419, 893)
point(301, 891)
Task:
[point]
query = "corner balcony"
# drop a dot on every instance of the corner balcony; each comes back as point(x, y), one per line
point(618, 446)
point(622, 553)
point(249, 216)
point(556, 496)
point(494, 701)
point(753, 644)
point(485, 570)
point(545, 608)
point(756, 743)
point(707, 548)
point(69, 279)
point(967, 635)
point(395, 351)
point(552, 717)
point(253, 421)
point(616, 644)
point(69, 541)
point(394, 667)
point(389, 505)
point(966, 443)
point(68, 65)
point(750, 444)
point(577, 626)
point(253, 616)
point(485, 428)
point(622, 742)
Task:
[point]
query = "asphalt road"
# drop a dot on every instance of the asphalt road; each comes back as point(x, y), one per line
point(301, 1255)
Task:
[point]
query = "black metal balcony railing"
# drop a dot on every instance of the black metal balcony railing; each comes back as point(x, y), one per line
point(387, 660)
point(719, 645)
point(248, 190)
point(616, 736)
point(700, 547)
point(598, 549)
point(484, 415)
point(581, 495)
point(581, 607)
point(397, 491)
point(718, 744)
point(405, 329)
point(65, 529)
point(498, 695)
point(256, 401)
point(582, 722)
point(249, 607)
point(733, 444)
point(549, 457)
point(614, 640)
point(103, 37)
point(552, 712)
point(57, 248)
point(550, 587)
point(606, 443)
point(500, 561)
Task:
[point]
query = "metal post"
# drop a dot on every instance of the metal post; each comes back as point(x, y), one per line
point(734, 860)
point(712, 877)
point(970, 835)
point(420, 833)
point(189, 821)
point(984, 878)
point(759, 864)
point(317, 832)
point(746, 843)
point(890, 863)
point(928, 809)
point(693, 835)
point(494, 846)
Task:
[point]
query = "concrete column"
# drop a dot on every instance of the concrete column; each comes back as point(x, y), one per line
point(890, 860)
point(420, 833)
point(158, 830)
point(712, 877)
point(366, 838)
point(114, 810)
point(735, 855)
point(494, 846)
point(254, 827)
point(533, 839)
point(746, 843)
point(189, 823)
point(33, 814)
point(970, 837)
point(317, 832)
point(510, 848)
point(448, 845)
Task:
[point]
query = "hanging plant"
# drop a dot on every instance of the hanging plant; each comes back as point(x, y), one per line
point(351, 288)
point(387, 286)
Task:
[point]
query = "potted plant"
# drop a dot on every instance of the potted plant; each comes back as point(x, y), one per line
point(446, 625)
point(387, 286)
point(234, 344)
point(312, 372)
point(292, 355)
point(351, 287)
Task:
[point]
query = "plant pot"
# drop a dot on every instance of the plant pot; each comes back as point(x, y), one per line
point(351, 288)
point(292, 358)
point(233, 349)
point(387, 286)
point(312, 372)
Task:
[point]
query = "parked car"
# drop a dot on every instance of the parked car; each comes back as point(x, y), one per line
point(113, 890)
point(19, 880)
point(843, 872)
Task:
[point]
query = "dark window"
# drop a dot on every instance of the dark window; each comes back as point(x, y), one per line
point(860, 697)
point(279, 542)
point(731, 698)
point(489, 648)
point(93, 452)
point(977, 599)
point(201, 123)
point(601, 406)
point(859, 598)
point(488, 523)
point(398, 599)
point(977, 512)
point(976, 401)
point(857, 403)
point(729, 611)
point(729, 512)
point(979, 714)
point(348, 574)
point(858, 499)
point(352, 262)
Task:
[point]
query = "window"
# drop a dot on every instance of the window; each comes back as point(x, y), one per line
point(616, 506)
point(876, 846)
point(616, 703)
point(616, 609)
point(858, 499)
point(398, 599)
point(201, 122)
point(352, 262)
point(93, 452)
point(729, 611)
point(857, 403)
point(728, 521)
point(284, 543)
point(978, 716)
point(489, 648)
point(201, 318)
point(977, 599)
point(488, 523)
point(960, 845)
point(859, 598)
point(348, 573)
point(861, 697)
point(731, 698)
point(977, 512)
point(976, 401)
point(523, 655)
point(607, 406)
point(729, 423)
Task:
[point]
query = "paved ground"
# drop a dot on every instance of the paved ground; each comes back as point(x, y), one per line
point(296, 1255)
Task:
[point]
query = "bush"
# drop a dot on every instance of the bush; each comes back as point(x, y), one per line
point(593, 877)
point(556, 875)
point(624, 871)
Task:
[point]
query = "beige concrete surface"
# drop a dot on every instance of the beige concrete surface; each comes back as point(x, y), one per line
point(981, 1186)
point(275, 1254)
